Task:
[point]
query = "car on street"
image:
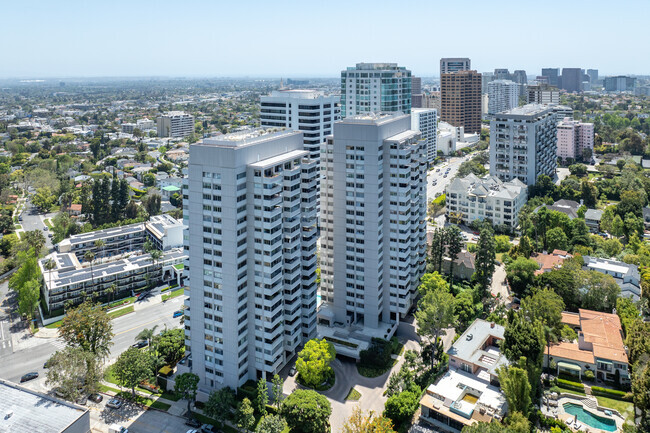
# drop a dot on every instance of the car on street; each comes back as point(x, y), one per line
point(29, 376)
point(114, 403)
point(293, 371)
point(208, 428)
point(95, 398)
point(177, 313)
point(45, 228)
point(140, 344)
point(193, 422)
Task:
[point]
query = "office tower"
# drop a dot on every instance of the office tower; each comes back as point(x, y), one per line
point(175, 124)
point(552, 74)
point(375, 87)
point(416, 92)
point(252, 240)
point(309, 111)
point(523, 143)
point(574, 139)
point(373, 218)
point(502, 95)
point(541, 80)
point(519, 77)
point(543, 94)
point(593, 75)
point(502, 74)
point(460, 105)
point(571, 80)
point(619, 83)
point(425, 120)
point(454, 64)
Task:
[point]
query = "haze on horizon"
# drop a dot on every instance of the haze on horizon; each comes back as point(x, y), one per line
point(193, 38)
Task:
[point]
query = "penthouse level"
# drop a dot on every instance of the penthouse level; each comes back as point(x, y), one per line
point(70, 280)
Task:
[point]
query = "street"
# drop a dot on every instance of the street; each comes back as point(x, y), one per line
point(29, 353)
point(452, 164)
point(33, 220)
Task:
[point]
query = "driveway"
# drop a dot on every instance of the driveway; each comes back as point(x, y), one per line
point(498, 288)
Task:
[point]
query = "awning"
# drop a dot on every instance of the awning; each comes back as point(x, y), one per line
point(569, 366)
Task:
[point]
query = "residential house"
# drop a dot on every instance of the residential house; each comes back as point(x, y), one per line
point(469, 392)
point(548, 262)
point(74, 209)
point(626, 275)
point(463, 265)
point(600, 347)
point(592, 219)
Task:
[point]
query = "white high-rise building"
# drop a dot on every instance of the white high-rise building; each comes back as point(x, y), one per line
point(373, 219)
point(425, 120)
point(251, 213)
point(175, 124)
point(523, 143)
point(375, 87)
point(503, 95)
point(309, 111)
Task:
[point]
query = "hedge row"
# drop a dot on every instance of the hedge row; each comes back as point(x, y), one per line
point(571, 385)
point(611, 393)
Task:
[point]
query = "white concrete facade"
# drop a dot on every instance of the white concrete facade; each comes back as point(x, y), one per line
point(503, 95)
point(251, 212)
point(373, 218)
point(523, 143)
point(425, 120)
point(175, 124)
point(473, 198)
point(309, 111)
point(375, 87)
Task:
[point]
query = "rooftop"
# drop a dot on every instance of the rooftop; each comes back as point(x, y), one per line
point(529, 110)
point(158, 224)
point(487, 186)
point(475, 346)
point(33, 412)
point(373, 118)
point(246, 138)
point(103, 234)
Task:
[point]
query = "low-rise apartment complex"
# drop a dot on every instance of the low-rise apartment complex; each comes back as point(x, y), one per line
point(469, 392)
point(472, 198)
point(626, 275)
point(575, 139)
point(600, 347)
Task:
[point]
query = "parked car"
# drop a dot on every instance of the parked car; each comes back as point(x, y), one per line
point(140, 344)
point(293, 371)
point(95, 398)
point(29, 376)
point(193, 422)
point(114, 403)
point(208, 428)
point(82, 400)
point(114, 428)
point(178, 313)
point(45, 228)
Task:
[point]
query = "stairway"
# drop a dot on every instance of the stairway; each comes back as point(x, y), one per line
point(591, 403)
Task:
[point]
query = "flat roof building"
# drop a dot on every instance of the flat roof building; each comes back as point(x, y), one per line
point(460, 100)
point(27, 411)
point(175, 124)
point(454, 64)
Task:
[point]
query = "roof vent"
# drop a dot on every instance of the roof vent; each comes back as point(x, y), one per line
point(9, 414)
point(469, 337)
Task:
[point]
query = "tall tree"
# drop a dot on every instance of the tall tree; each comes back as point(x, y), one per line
point(147, 335)
point(521, 274)
point(454, 246)
point(89, 257)
point(516, 387)
point(186, 385)
point(89, 327)
point(358, 422)
point(132, 367)
point(219, 404)
point(485, 257)
point(69, 368)
point(436, 312)
point(28, 297)
point(523, 338)
point(545, 306)
point(245, 415)
point(278, 395)
point(262, 398)
point(307, 411)
point(313, 363)
point(271, 424)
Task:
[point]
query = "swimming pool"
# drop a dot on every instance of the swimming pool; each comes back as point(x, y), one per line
point(589, 418)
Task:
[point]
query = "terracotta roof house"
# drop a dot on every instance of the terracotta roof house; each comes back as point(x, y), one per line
point(74, 209)
point(600, 347)
point(548, 262)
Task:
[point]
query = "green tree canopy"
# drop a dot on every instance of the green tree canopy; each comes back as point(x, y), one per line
point(313, 363)
point(132, 367)
point(515, 386)
point(186, 385)
point(89, 327)
point(307, 411)
point(74, 372)
point(521, 274)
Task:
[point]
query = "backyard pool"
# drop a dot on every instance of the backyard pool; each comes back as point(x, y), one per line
point(589, 418)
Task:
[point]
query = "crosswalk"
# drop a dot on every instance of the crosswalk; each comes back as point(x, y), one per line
point(58, 343)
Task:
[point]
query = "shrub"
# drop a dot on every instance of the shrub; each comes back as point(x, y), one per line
point(589, 375)
point(571, 385)
point(611, 393)
point(555, 389)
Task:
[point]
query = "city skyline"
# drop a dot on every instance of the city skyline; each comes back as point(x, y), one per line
point(202, 39)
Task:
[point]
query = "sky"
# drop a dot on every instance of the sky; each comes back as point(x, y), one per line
point(311, 38)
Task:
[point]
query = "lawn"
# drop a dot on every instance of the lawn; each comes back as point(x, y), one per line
point(54, 325)
point(171, 396)
point(173, 294)
point(105, 388)
point(207, 420)
point(353, 395)
point(570, 391)
point(625, 408)
point(145, 401)
point(373, 371)
point(48, 223)
point(121, 312)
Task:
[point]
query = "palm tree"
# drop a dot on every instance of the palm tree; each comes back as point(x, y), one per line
point(99, 244)
point(50, 265)
point(89, 256)
point(155, 257)
point(147, 335)
point(111, 292)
